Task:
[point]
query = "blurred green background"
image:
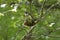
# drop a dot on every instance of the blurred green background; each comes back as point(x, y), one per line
point(12, 19)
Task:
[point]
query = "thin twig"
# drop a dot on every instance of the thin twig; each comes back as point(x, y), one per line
point(52, 6)
point(43, 16)
point(42, 8)
point(54, 36)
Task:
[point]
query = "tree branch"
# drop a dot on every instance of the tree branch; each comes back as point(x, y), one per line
point(30, 30)
point(41, 18)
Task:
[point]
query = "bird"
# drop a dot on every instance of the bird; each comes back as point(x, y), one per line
point(29, 20)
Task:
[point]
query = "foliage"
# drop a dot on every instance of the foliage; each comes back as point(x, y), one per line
point(12, 19)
